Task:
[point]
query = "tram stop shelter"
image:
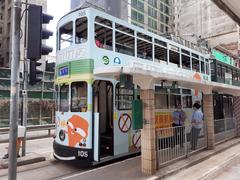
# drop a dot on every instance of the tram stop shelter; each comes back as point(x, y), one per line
point(146, 75)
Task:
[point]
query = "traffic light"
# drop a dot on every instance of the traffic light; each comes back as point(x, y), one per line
point(36, 34)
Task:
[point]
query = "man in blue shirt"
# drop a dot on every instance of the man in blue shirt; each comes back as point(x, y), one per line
point(197, 124)
point(179, 117)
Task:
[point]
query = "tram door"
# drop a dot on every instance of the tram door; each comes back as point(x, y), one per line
point(103, 104)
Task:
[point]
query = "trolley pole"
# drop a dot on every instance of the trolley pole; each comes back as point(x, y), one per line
point(25, 78)
point(14, 106)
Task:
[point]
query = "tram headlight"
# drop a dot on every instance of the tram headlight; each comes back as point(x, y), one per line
point(62, 135)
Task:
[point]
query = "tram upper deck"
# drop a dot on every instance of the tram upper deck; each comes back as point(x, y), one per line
point(92, 42)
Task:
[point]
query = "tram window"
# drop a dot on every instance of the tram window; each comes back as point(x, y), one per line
point(161, 101)
point(64, 98)
point(186, 64)
point(103, 21)
point(202, 67)
point(207, 67)
point(174, 57)
point(185, 52)
point(79, 97)
point(144, 49)
point(124, 98)
point(124, 43)
point(124, 29)
point(195, 64)
point(66, 35)
point(144, 36)
point(219, 70)
point(160, 53)
point(56, 97)
point(175, 98)
point(161, 43)
point(223, 72)
point(103, 37)
point(187, 102)
point(81, 30)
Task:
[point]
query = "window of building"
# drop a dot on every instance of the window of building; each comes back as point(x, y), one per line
point(153, 3)
point(152, 23)
point(103, 33)
point(79, 97)
point(81, 30)
point(152, 12)
point(137, 4)
point(137, 16)
point(124, 98)
point(64, 98)
point(66, 35)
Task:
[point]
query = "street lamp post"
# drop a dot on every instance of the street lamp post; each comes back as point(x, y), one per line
point(14, 106)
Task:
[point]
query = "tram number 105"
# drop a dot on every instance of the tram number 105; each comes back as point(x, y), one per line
point(83, 154)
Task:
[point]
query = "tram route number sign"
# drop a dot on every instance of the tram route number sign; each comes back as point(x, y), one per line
point(83, 154)
point(63, 71)
point(124, 123)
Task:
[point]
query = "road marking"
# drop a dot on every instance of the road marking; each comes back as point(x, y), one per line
point(90, 171)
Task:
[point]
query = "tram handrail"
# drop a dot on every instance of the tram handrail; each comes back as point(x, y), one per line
point(31, 128)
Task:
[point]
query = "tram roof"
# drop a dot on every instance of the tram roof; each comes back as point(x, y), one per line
point(138, 29)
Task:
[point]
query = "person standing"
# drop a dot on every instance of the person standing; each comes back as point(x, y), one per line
point(179, 117)
point(197, 124)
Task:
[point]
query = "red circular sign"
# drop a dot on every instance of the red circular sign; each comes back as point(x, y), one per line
point(124, 123)
point(136, 140)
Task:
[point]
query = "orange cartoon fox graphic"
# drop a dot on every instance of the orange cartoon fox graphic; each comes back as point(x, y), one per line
point(77, 130)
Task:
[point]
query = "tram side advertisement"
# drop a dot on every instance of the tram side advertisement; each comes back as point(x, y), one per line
point(73, 130)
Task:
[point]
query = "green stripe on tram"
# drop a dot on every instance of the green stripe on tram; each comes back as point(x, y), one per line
point(82, 66)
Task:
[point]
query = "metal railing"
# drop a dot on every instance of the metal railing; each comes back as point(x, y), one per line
point(178, 142)
point(48, 127)
point(224, 129)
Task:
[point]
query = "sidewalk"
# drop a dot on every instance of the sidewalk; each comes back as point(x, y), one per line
point(198, 166)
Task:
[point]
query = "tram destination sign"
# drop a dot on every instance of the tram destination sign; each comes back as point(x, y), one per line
point(63, 71)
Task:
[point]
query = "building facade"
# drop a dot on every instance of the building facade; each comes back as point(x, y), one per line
point(198, 21)
point(152, 15)
point(5, 29)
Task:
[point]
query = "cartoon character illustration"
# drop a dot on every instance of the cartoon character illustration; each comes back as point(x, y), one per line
point(77, 131)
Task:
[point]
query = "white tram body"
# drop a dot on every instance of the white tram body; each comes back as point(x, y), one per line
point(94, 115)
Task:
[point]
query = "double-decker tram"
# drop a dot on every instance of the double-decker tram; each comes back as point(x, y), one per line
point(94, 120)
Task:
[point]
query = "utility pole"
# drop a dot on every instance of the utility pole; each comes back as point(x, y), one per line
point(14, 106)
point(25, 78)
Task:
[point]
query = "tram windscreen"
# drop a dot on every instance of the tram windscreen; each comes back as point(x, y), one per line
point(66, 35)
point(64, 98)
point(81, 30)
point(79, 97)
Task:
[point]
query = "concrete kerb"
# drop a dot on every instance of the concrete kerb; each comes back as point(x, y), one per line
point(192, 160)
point(213, 172)
point(21, 161)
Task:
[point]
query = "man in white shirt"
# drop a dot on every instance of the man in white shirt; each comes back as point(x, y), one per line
point(197, 124)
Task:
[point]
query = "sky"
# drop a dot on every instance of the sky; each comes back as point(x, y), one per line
point(56, 8)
